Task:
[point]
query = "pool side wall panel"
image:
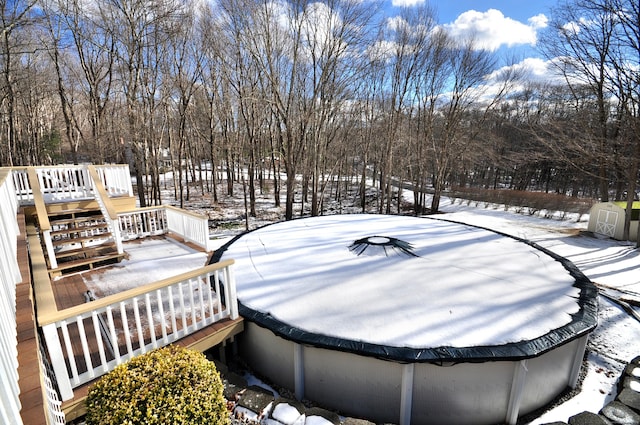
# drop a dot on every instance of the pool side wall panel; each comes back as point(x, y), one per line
point(463, 393)
point(268, 354)
point(357, 386)
point(367, 387)
point(549, 374)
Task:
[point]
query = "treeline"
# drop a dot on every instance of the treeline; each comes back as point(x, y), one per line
point(325, 91)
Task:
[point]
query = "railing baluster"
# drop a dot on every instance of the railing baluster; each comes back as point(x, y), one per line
point(233, 296)
point(172, 309)
point(212, 313)
point(98, 331)
point(85, 346)
point(182, 309)
point(150, 321)
point(218, 295)
point(114, 336)
point(69, 349)
point(163, 321)
point(125, 327)
point(136, 315)
point(203, 312)
point(192, 305)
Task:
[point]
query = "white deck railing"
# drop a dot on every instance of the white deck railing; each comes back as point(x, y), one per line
point(116, 179)
point(9, 277)
point(150, 221)
point(87, 341)
point(69, 182)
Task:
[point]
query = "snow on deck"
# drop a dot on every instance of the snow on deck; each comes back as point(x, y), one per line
point(148, 260)
point(402, 281)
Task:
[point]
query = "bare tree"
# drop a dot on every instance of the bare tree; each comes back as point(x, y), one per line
point(139, 29)
point(594, 44)
point(430, 86)
point(468, 106)
point(407, 37)
point(578, 43)
point(183, 74)
point(625, 62)
point(94, 49)
point(15, 14)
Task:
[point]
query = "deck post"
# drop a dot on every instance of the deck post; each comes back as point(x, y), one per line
point(233, 296)
point(406, 394)
point(58, 364)
point(51, 254)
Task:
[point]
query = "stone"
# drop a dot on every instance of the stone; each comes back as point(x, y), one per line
point(285, 412)
point(233, 384)
point(620, 414)
point(317, 416)
point(630, 374)
point(588, 418)
point(630, 397)
point(254, 403)
point(355, 421)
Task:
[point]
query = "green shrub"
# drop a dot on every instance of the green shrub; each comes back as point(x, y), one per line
point(171, 385)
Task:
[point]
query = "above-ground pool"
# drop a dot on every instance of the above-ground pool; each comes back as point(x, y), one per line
point(410, 320)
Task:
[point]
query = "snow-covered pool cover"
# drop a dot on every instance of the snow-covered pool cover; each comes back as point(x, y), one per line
point(409, 288)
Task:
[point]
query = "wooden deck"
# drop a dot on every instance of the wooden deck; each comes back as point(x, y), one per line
point(68, 291)
point(31, 391)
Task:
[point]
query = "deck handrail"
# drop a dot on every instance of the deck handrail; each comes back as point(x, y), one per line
point(48, 313)
point(68, 182)
point(43, 216)
point(106, 206)
point(162, 219)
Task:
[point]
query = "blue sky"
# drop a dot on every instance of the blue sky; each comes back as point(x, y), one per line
point(496, 24)
point(522, 10)
point(510, 28)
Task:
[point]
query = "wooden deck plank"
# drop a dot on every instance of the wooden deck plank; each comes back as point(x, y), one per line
point(69, 290)
point(30, 380)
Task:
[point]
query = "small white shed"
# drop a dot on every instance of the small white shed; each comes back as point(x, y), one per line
point(607, 218)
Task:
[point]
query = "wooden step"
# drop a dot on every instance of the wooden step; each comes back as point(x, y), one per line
point(81, 239)
point(76, 220)
point(87, 252)
point(75, 214)
point(85, 264)
point(80, 229)
point(73, 211)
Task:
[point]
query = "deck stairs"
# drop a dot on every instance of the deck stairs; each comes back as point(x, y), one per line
point(81, 238)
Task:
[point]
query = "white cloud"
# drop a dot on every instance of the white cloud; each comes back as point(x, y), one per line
point(491, 29)
point(539, 21)
point(406, 3)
